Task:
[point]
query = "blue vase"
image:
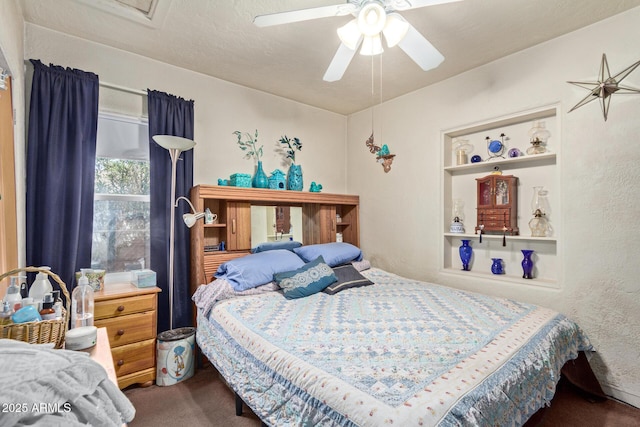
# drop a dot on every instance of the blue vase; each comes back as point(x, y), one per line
point(527, 264)
point(260, 179)
point(294, 178)
point(465, 254)
point(496, 267)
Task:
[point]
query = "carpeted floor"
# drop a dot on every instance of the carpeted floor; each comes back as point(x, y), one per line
point(205, 400)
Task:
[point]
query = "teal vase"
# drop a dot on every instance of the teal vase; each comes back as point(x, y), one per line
point(294, 178)
point(260, 179)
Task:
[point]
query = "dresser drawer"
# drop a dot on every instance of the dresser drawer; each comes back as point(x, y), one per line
point(128, 329)
point(124, 306)
point(134, 357)
point(489, 218)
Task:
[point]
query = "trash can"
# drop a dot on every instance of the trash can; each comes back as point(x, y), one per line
point(175, 356)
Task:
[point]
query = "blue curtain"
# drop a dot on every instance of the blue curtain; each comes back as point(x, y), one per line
point(61, 153)
point(170, 115)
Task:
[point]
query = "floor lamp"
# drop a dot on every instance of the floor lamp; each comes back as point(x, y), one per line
point(175, 145)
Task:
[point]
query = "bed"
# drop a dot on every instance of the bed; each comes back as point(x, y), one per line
point(387, 351)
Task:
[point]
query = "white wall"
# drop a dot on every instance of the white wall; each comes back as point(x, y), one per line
point(11, 57)
point(600, 178)
point(220, 109)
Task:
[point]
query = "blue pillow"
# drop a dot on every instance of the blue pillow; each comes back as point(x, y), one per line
point(333, 253)
point(270, 246)
point(306, 280)
point(254, 270)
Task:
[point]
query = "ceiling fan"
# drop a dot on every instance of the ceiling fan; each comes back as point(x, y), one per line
point(373, 19)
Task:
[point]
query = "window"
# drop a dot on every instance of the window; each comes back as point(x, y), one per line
point(121, 201)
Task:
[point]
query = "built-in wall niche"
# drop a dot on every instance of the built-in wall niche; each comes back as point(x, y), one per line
point(275, 223)
point(459, 186)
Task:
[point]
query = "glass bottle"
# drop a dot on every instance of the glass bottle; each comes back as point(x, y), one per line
point(82, 303)
point(6, 313)
point(13, 294)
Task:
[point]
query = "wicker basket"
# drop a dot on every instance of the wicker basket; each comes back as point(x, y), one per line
point(44, 331)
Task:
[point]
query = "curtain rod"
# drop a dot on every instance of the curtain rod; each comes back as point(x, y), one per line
point(123, 88)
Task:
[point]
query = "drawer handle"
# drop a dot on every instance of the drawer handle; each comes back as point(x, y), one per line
point(121, 308)
point(120, 362)
point(120, 332)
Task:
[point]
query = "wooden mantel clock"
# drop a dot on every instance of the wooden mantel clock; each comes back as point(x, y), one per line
point(497, 208)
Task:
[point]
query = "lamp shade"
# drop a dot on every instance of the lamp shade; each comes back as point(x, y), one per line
point(395, 29)
point(349, 34)
point(372, 46)
point(190, 218)
point(170, 142)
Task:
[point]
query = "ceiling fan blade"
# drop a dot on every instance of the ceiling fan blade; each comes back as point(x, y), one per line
point(414, 4)
point(420, 49)
point(303, 15)
point(340, 62)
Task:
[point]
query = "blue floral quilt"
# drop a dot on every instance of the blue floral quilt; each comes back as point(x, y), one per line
point(399, 352)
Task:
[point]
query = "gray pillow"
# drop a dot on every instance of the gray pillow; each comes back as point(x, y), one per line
point(348, 277)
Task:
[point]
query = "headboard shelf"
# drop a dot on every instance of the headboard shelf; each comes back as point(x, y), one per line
point(233, 226)
point(256, 195)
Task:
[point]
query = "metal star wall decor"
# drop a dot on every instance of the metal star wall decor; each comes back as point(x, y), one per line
point(606, 86)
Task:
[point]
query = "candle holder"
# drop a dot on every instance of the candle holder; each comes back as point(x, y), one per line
point(462, 148)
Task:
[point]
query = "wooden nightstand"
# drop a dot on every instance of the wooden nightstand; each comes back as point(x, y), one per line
point(129, 314)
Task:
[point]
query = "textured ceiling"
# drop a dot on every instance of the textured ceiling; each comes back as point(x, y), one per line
point(218, 38)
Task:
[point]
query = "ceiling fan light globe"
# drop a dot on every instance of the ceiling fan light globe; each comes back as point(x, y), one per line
point(395, 29)
point(371, 46)
point(349, 34)
point(371, 19)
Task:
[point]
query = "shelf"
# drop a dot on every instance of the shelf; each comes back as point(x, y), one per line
point(499, 237)
point(523, 161)
point(502, 278)
point(460, 183)
point(342, 224)
point(219, 225)
point(523, 117)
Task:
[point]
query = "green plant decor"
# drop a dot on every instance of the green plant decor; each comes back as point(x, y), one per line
point(290, 147)
point(249, 144)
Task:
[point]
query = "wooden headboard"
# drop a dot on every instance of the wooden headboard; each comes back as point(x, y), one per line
point(233, 225)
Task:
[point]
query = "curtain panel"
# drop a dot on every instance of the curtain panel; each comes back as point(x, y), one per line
point(170, 115)
point(61, 153)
